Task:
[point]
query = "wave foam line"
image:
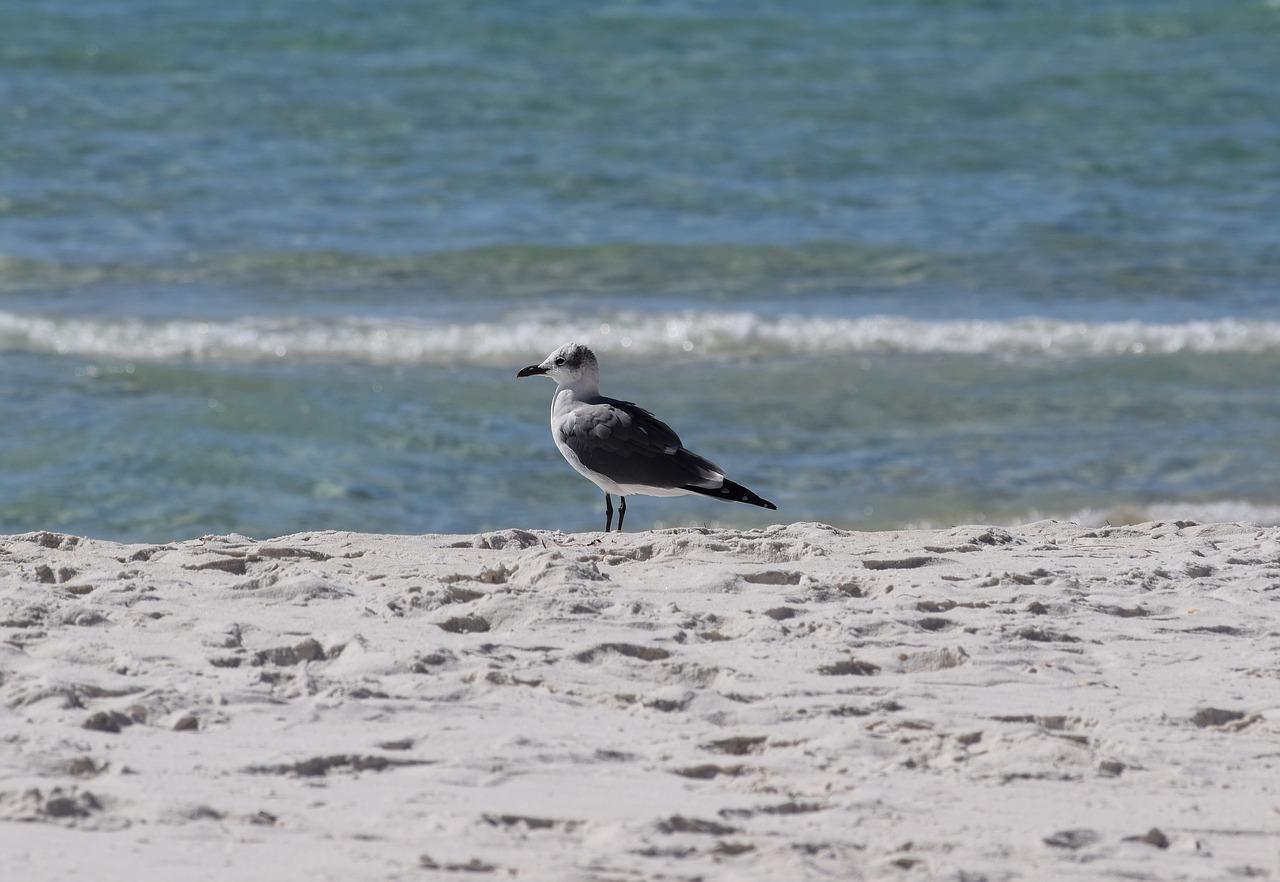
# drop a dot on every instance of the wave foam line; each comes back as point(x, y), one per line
point(1220, 512)
point(1226, 511)
point(413, 341)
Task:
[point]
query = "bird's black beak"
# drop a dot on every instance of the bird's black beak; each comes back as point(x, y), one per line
point(532, 371)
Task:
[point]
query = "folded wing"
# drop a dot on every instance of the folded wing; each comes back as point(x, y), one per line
point(629, 445)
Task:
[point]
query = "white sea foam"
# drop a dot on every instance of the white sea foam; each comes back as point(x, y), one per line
point(1227, 511)
point(417, 341)
point(1222, 511)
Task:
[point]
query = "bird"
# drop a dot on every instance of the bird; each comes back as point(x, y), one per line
point(619, 446)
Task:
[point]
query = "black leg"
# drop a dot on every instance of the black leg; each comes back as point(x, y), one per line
point(622, 511)
point(608, 513)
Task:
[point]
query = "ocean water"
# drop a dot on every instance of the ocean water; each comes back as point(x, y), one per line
point(267, 268)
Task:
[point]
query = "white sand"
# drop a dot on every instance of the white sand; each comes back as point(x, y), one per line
point(1046, 702)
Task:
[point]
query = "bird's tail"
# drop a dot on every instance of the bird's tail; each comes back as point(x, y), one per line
point(731, 492)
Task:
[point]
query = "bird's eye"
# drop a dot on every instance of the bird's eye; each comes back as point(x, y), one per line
point(559, 361)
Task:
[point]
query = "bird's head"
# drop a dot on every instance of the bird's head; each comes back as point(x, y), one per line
point(570, 365)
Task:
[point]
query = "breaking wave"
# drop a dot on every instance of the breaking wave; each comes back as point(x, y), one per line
point(698, 333)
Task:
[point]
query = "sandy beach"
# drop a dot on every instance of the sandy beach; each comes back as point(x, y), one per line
point(1039, 702)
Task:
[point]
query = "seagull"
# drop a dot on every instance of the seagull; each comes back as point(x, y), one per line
point(621, 447)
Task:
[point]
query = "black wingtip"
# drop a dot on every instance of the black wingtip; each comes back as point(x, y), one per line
point(731, 492)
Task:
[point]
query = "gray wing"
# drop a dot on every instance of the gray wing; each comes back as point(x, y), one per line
point(629, 445)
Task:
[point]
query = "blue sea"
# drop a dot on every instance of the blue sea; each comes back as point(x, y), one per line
point(272, 267)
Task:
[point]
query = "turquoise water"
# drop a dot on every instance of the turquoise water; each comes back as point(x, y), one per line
point(273, 268)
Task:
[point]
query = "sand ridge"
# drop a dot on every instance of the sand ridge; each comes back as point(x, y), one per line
point(798, 702)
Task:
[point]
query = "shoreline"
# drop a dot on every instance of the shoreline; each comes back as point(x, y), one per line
point(1039, 701)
